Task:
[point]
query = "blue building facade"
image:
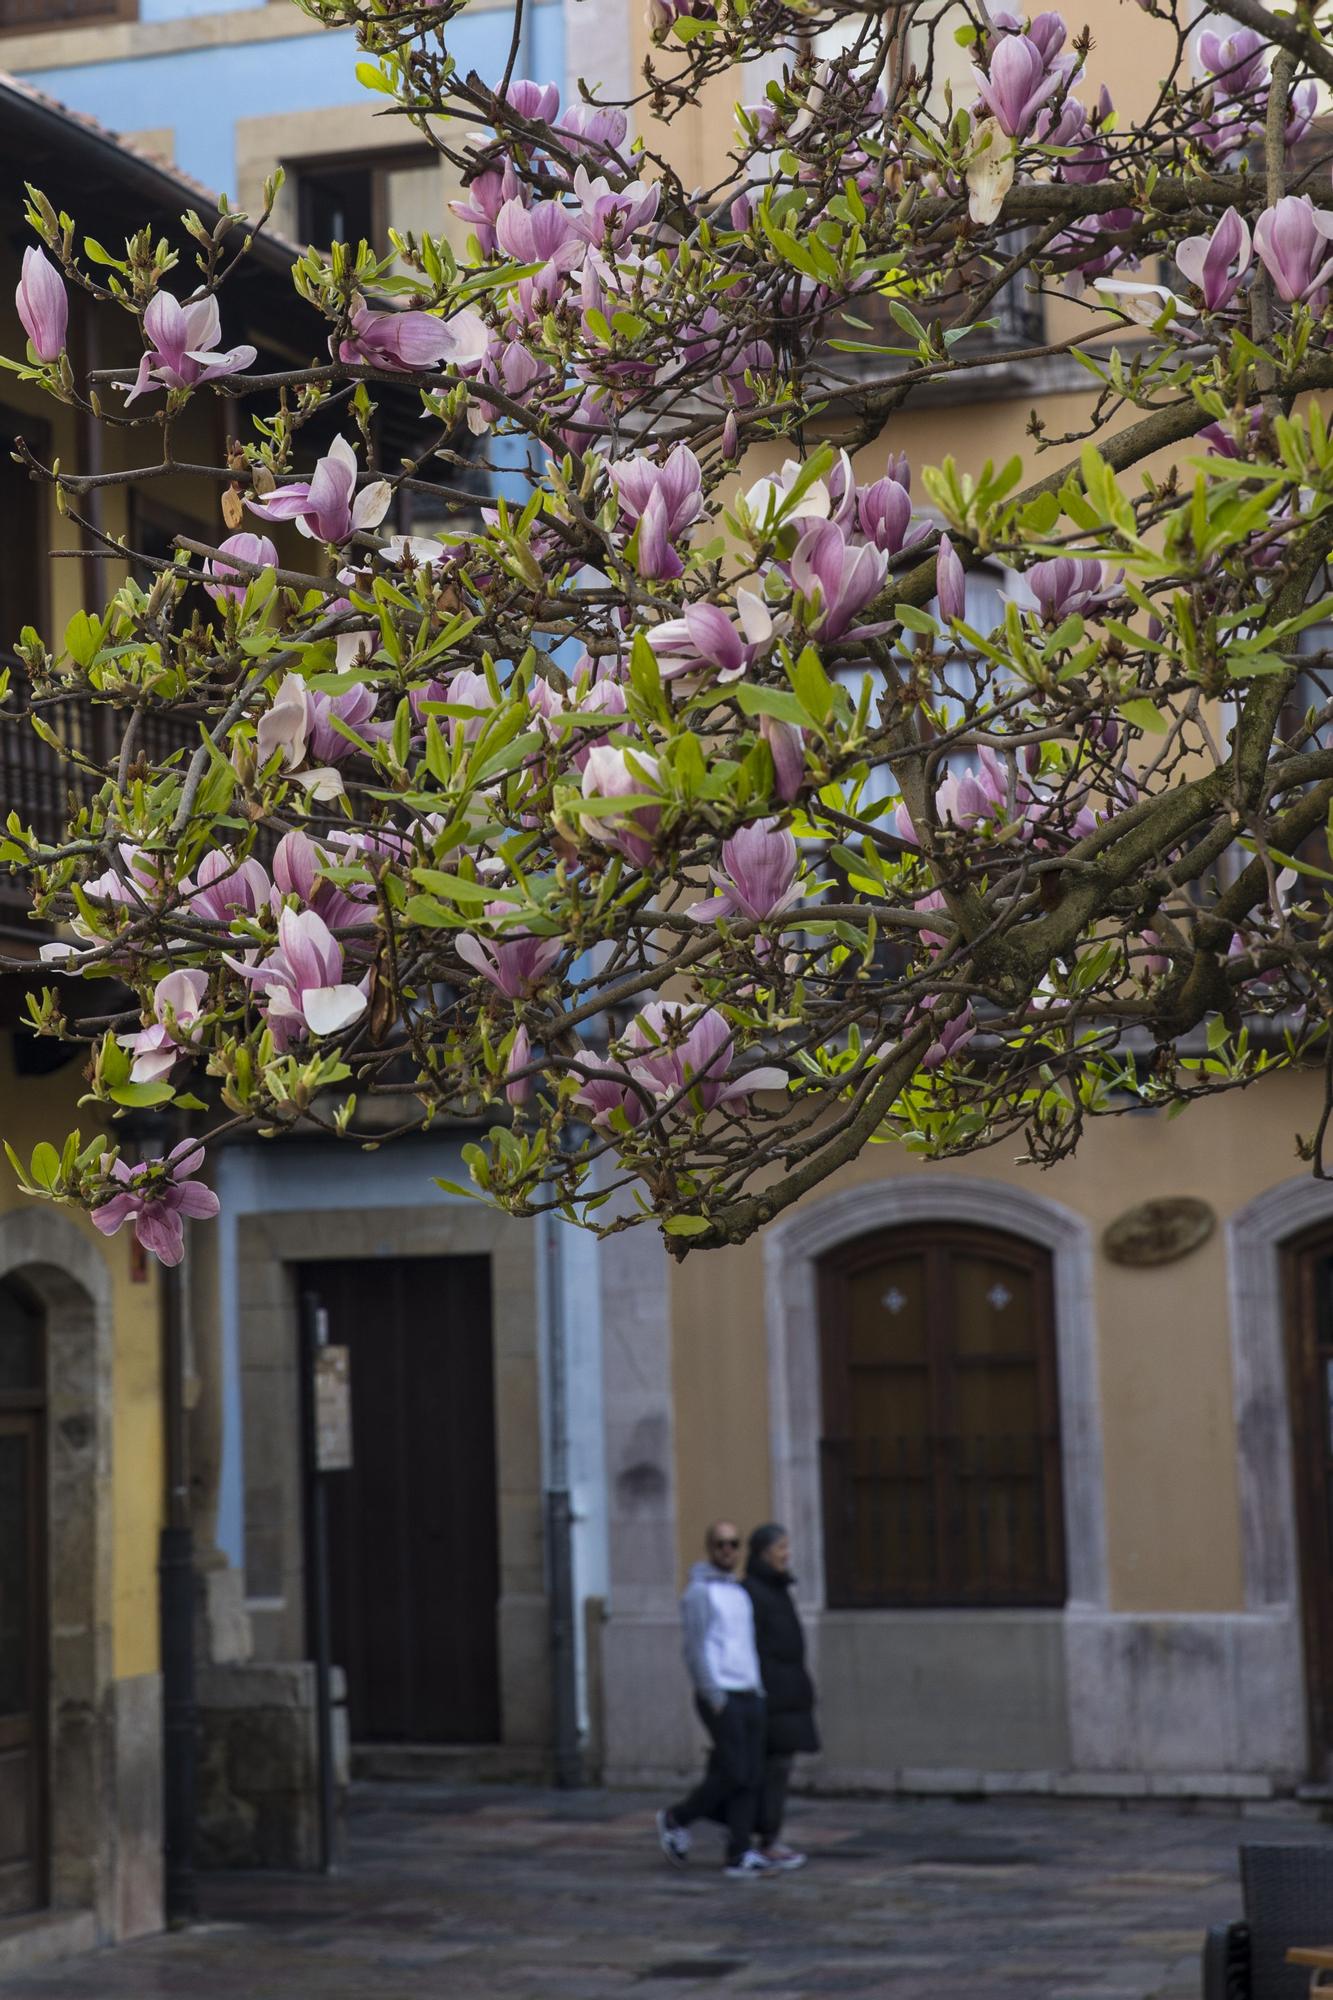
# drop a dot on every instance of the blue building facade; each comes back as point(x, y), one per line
point(193, 78)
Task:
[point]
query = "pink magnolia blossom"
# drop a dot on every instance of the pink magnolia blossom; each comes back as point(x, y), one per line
point(178, 1004)
point(298, 866)
point(758, 875)
point(954, 1034)
point(706, 637)
point(884, 516)
point(607, 775)
point(1293, 241)
point(486, 196)
point(595, 130)
point(300, 721)
point(515, 963)
point(673, 1050)
point(156, 1196)
point(964, 799)
point(1207, 260)
point(836, 578)
point(247, 548)
point(607, 216)
point(545, 233)
point(1236, 61)
point(327, 506)
point(786, 743)
point(950, 582)
point(183, 349)
point(304, 992)
point(655, 556)
point(139, 882)
point(606, 1088)
point(1019, 82)
point(519, 1088)
point(42, 305)
point(415, 340)
point(539, 103)
point(228, 888)
point(678, 479)
point(1069, 584)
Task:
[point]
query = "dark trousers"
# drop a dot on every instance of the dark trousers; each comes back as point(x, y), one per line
point(772, 1796)
point(729, 1787)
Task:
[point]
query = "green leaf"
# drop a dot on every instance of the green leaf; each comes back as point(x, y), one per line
point(1143, 715)
point(139, 1094)
point(456, 887)
point(45, 1165)
point(686, 1225)
point(768, 701)
point(372, 77)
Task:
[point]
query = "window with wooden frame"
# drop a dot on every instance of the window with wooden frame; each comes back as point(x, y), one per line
point(941, 1428)
point(361, 196)
point(28, 17)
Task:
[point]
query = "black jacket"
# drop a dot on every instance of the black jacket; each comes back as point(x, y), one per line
point(780, 1641)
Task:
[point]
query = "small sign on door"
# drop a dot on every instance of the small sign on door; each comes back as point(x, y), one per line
point(333, 1409)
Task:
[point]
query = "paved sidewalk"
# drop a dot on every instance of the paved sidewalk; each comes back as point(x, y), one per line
point(488, 1894)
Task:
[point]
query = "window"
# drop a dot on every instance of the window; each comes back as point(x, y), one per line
point(27, 16)
point(363, 196)
point(941, 1436)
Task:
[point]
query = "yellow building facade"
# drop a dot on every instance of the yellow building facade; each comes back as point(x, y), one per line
point(1143, 1604)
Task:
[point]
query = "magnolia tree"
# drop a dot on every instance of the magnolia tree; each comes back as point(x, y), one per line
point(680, 829)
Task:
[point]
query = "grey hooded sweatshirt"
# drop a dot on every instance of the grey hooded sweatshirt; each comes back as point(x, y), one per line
point(717, 1620)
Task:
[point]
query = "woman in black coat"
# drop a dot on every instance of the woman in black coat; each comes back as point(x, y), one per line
point(789, 1692)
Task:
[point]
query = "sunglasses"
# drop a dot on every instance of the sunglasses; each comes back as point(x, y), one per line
point(727, 1542)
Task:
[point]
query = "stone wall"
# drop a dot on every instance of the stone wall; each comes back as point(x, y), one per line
point(258, 1774)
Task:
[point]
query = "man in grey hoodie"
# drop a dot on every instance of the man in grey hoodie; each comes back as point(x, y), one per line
point(718, 1623)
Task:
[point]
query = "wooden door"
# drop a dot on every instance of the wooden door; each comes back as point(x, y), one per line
point(413, 1527)
point(22, 1604)
point(941, 1422)
point(1309, 1318)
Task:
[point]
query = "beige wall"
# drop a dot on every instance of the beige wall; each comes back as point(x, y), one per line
point(1167, 1411)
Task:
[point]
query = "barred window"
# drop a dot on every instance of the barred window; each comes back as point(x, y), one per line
point(941, 1430)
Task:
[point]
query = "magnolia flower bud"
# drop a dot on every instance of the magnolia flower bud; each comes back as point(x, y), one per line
point(950, 581)
point(731, 438)
point(42, 305)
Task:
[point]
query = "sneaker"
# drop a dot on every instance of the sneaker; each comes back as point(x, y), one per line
point(782, 1856)
point(751, 1866)
point(673, 1840)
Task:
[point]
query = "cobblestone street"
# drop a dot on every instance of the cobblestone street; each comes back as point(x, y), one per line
point(452, 1894)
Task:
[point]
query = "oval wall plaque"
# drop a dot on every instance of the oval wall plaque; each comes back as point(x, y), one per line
point(1157, 1232)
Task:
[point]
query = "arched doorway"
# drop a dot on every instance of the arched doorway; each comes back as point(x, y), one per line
point(24, 1848)
point(1307, 1269)
point(940, 1442)
point(60, 1709)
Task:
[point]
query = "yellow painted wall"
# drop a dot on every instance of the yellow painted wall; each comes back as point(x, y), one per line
point(45, 1108)
point(33, 1108)
point(1167, 1405)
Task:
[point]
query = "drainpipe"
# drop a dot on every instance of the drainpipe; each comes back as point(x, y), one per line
point(559, 1521)
point(175, 1569)
point(147, 1134)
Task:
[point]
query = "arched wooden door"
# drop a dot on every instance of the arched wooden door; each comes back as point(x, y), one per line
point(941, 1421)
point(1308, 1273)
point(23, 1610)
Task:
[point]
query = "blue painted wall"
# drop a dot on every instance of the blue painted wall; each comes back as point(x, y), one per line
point(267, 1179)
point(201, 92)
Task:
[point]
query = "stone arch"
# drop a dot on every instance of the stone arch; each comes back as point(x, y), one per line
point(791, 1250)
point(58, 1263)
